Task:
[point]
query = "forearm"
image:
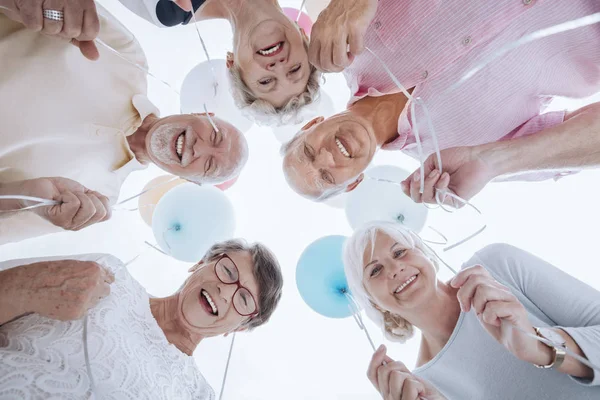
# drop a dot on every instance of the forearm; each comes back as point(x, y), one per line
point(12, 304)
point(574, 144)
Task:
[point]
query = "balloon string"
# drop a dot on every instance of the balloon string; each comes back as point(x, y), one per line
point(210, 63)
point(355, 310)
point(300, 10)
point(148, 190)
point(227, 366)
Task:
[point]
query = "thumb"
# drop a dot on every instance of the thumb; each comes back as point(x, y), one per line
point(185, 5)
point(87, 48)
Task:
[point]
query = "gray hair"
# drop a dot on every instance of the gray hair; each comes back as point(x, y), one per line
point(264, 113)
point(266, 271)
point(394, 327)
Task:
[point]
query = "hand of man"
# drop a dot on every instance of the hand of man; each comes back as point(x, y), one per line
point(63, 290)
point(395, 382)
point(77, 208)
point(465, 174)
point(499, 311)
point(80, 25)
point(341, 24)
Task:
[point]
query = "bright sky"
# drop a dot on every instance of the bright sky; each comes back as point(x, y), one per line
point(301, 355)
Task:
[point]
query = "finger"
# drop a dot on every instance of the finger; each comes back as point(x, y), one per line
point(467, 291)
point(486, 293)
point(405, 185)
point(314, 51)
point(108, 276)
point(496, 311)
point(397, 380)
point(63, 213)
point(106, 204)
point(339, 54)
point(185, 5)
point(98, 215)
point(463, 275)
point(412, 389)
point(356, 43)
point(376, 361)
point(384, 373)
point(73, 22)
point(415, 186)
point(32, 16)
point(52, 27)
point(429, 189)
point(85, 213)
point(441, 188)
point(91, 24)
point(88, 49)
point(325, 56)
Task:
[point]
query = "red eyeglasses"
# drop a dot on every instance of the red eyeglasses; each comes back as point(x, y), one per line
point(228, 273)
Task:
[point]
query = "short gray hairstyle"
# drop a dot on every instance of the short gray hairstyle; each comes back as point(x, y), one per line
point(264, 113)
point(394, 327)
point(266, 271)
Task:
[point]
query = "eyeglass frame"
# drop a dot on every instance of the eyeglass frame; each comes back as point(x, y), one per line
point(239, 286)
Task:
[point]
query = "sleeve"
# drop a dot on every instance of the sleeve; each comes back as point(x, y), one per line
point(108, 261)
point(162, 13)
point(573, 305)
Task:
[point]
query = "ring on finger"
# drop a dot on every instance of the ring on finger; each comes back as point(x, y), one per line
point(54, 15)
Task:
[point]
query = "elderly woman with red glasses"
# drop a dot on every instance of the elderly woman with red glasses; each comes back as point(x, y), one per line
point(139, 346)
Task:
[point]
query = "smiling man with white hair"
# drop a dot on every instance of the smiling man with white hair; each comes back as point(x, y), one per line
point(91, 121)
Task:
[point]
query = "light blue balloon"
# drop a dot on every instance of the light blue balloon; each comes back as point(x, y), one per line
point(320, 277)
point(189, 219)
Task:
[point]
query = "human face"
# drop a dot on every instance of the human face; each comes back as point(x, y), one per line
point(329, 153)
point(195, 308)
point(396, 278)
point(273, 61)
point(188, 146)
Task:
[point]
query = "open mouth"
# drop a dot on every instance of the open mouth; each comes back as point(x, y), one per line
point(208, 303)
point(179, 145)
point(272, 50)
point(343, 147)
point(406, 284)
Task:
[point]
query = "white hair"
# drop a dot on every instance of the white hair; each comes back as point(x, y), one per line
point(394, 327)
point(297, 109)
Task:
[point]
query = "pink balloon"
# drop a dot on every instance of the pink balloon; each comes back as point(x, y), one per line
point(227, 185)
point(304, 22)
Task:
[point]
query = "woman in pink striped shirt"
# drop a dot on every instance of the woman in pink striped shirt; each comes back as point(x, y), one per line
point(493, 125)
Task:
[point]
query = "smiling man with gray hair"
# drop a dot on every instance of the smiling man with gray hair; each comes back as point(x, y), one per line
point(64, 116)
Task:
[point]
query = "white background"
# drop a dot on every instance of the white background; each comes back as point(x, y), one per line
point(301, 355)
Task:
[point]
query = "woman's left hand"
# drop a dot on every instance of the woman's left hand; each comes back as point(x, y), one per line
point(498, 311)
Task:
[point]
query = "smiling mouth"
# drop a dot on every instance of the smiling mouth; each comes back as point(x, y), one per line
point(179, 145)
point(342, 148)
point(406, 284)
point(208, 303)
point(272, 50)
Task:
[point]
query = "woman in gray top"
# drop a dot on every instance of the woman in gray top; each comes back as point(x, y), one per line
point(473, 345)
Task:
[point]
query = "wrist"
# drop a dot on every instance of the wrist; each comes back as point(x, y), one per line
point(499, 157)
point(14, 294)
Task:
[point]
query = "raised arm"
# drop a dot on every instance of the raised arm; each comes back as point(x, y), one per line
point(571, 145)
point(573, 305)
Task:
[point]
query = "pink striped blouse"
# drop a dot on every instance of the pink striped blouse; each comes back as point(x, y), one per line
point(431, 44)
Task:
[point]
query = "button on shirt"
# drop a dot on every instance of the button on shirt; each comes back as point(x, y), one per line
point(63, 115)
point(431, 45)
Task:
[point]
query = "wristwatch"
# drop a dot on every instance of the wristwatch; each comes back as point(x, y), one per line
point(559, 345)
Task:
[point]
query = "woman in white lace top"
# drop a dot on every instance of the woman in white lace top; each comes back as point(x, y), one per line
point(140, 347)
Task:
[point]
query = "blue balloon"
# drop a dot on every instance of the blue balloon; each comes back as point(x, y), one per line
point(189, 219)
point(320, 277)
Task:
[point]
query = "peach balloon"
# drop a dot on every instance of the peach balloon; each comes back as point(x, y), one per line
point(147, 201)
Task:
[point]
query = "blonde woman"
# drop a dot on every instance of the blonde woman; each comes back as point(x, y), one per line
point(467, 349)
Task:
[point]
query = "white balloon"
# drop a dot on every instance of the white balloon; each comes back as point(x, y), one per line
point(383, 201)
point(198, 89)
point(338, 201)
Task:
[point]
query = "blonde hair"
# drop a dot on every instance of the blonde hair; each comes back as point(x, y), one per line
point(394, 327)
point(264, 113)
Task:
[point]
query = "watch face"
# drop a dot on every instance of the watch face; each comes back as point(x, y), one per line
point(552, 336)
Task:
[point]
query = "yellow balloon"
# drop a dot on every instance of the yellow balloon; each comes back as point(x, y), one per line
point(314, 8)
point(147, 201)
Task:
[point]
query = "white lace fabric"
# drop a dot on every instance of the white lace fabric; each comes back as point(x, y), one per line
point(41, 358)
